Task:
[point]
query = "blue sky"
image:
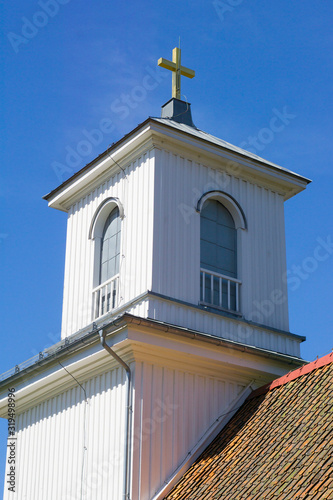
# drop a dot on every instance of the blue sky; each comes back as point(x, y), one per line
point(67, 67)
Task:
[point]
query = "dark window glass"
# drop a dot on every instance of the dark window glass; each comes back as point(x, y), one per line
point(218, 251)
point(110, 248)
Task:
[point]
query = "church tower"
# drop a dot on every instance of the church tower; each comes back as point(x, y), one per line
point(175, 308)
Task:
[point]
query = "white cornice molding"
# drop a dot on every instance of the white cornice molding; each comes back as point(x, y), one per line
point(103, 168)
point(211, 155)
point(136, 342)
point(155, 134)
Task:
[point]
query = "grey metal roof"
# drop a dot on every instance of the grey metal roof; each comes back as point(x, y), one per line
point(194, 131)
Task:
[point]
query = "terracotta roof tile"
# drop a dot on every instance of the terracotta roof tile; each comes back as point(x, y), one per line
point(278, 446)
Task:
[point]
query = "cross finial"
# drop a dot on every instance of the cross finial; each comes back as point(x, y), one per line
point(177, 70)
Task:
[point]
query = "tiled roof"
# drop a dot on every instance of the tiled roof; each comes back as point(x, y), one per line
point(279, 445)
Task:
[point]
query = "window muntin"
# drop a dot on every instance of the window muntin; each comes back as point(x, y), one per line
point(110, 247)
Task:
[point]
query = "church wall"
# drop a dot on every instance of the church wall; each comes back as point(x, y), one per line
point(65, 443)
point(135, 192)
point(183, 315)
point(174, 407)
point(180, 182)
point(161, 243)
point(217, 325)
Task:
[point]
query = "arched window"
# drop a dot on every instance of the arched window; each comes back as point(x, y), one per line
point(105, 232)
point(218, 256)
point(110, 247)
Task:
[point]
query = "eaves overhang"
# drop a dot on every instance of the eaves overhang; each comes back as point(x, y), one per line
point(231, 159)
point(60, 197)
point(83, 356)
point(69, 346)
point(185, 136)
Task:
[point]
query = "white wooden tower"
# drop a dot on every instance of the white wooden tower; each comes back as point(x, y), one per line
point(175, 307)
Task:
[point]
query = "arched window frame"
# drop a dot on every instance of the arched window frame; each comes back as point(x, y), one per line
point(238, 216)
point(97, 228)
point(228, 202)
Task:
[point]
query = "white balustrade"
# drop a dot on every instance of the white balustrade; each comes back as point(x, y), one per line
point(105, 297)
point(219, 291)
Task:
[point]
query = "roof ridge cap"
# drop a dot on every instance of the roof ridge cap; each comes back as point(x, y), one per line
point(293, 375)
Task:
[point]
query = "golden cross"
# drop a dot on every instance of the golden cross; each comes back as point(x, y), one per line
point(177, 70)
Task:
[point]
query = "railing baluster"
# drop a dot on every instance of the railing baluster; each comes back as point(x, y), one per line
point(105, 297)
point(100, 301)
point(112, 288)
point(231, 282)
point(211, 289)
point(96, 305)
point(203, 286)
point(116, 292)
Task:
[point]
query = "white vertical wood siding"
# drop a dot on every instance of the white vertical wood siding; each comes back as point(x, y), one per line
point(215, 324)
point(180, 183)
point(52, 462)
point(173, 409)
point(67, 446)
point(160, 248)
point(212, 324)
point(135, 191)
